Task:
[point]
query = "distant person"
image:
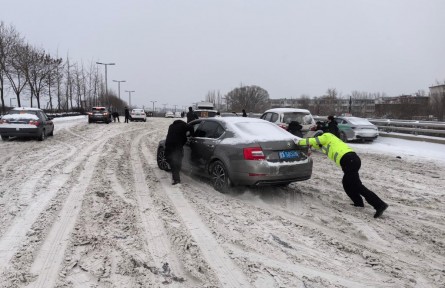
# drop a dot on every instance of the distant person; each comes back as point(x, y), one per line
point(295, 128)
point(191, 115)
point(127, 115)
point(350, 163)
point(174, 151)
point(333, 126)
point(115, 116)
point(244, 113)
point(218, 114)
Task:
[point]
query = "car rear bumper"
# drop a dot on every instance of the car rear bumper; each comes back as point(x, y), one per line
point(98, 118)
point(21, 132)
point(266, 173)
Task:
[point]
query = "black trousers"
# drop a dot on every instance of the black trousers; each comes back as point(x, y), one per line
point(174, 159)
point(350, 164)
point(126, 118)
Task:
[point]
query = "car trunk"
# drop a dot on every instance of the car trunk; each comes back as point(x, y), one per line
point(283, 151)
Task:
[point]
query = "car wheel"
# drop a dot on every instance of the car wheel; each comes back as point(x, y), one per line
point(343, 137)
point(42, 135)
point(162, 161)
point(4, 138)
point(220, 177)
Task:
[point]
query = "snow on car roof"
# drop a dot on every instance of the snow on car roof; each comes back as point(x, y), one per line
point(358, 121)
point(254, 129)
point(20, 116)
point(287, 110)
point(26, 108)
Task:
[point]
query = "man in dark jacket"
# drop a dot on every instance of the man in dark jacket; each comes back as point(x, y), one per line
point(191, 115)
point(127, 115)
point(174, 151)
point(333, 126)
point(244, 113)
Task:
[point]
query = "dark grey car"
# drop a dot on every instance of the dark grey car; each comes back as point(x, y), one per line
point(242, 151)
point(26, 123)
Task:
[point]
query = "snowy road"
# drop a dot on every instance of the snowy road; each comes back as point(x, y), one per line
point(89, 208)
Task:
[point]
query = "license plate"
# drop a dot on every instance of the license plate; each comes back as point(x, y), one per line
point(291, 154)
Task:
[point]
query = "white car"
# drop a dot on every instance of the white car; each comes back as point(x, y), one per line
point(169, 114)
point(283, 116)
point(178, 115)
point(138, 115)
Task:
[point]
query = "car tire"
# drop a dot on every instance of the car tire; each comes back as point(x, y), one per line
point(4, 138)
point(343, 137)
point(42, 135)
point(161, 160)
point(220, 177)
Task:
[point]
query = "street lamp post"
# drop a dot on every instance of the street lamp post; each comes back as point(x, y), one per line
point(106, 84)
point(119, 86)
point(129, 96)
point(153, 106)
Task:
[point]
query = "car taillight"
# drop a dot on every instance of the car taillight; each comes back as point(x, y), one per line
point(34, 122)
point(3, 121)
point(253, 153)
point(89, 113)
point(105, 113)
point(284, 126)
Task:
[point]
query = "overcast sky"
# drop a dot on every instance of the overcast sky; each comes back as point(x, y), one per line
point(176, 51)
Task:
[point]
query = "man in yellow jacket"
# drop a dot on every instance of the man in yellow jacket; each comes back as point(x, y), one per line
point(350, 163)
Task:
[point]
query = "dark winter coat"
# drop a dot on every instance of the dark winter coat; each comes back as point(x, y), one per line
point(333, 128)
point(191, 115)
point(177, 135)
point(127, 113)
point(295, 128)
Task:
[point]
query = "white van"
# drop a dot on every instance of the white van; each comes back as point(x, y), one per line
point(283, 116)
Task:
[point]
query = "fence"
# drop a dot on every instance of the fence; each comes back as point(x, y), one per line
point(427, 128)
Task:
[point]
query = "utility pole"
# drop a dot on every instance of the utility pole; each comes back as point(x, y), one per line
point(106, 84)
point(119, 86)
point(129, 97)
point(153, 106)
point(175, 107)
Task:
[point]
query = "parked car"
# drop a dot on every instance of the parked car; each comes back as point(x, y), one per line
point(346, 132)
point(363, 129)
point(242, 151)
point(99, 114)
point(283, 116)
point(138, 115)
point(178, 115)
point(26, 122)
point(169, 114)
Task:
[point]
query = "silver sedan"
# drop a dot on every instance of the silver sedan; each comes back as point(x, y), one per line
point(242, 151)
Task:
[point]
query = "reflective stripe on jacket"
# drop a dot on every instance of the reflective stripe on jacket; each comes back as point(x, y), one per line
point(333, 147)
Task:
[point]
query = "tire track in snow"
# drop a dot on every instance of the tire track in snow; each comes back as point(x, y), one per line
point(50, 256)
point(229, 275)
point(16, 232)
point(156, 236)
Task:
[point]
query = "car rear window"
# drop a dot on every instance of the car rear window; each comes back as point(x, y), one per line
point(302, 118)
point(260, 131)
point(98, 109)
point(359, 121)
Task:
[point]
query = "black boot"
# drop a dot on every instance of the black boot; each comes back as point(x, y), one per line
point(380, 210)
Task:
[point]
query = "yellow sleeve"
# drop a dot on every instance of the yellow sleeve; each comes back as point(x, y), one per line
point(309, 141)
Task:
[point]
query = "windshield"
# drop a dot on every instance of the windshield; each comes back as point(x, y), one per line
point(302, 118)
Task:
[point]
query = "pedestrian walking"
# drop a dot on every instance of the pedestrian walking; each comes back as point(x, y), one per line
point(244, 113)
point(350, 163)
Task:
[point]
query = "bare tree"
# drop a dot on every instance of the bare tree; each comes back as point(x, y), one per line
point(251, 98)
point(10, 46)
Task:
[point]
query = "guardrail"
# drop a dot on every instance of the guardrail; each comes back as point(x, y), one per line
point(427, 128)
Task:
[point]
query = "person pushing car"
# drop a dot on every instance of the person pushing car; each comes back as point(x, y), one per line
point(174, 143)
point(350, 163)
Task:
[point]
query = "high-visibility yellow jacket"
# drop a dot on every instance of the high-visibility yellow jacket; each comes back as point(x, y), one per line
point(329, 144)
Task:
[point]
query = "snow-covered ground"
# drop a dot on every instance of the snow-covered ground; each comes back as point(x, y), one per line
point(89, 208)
